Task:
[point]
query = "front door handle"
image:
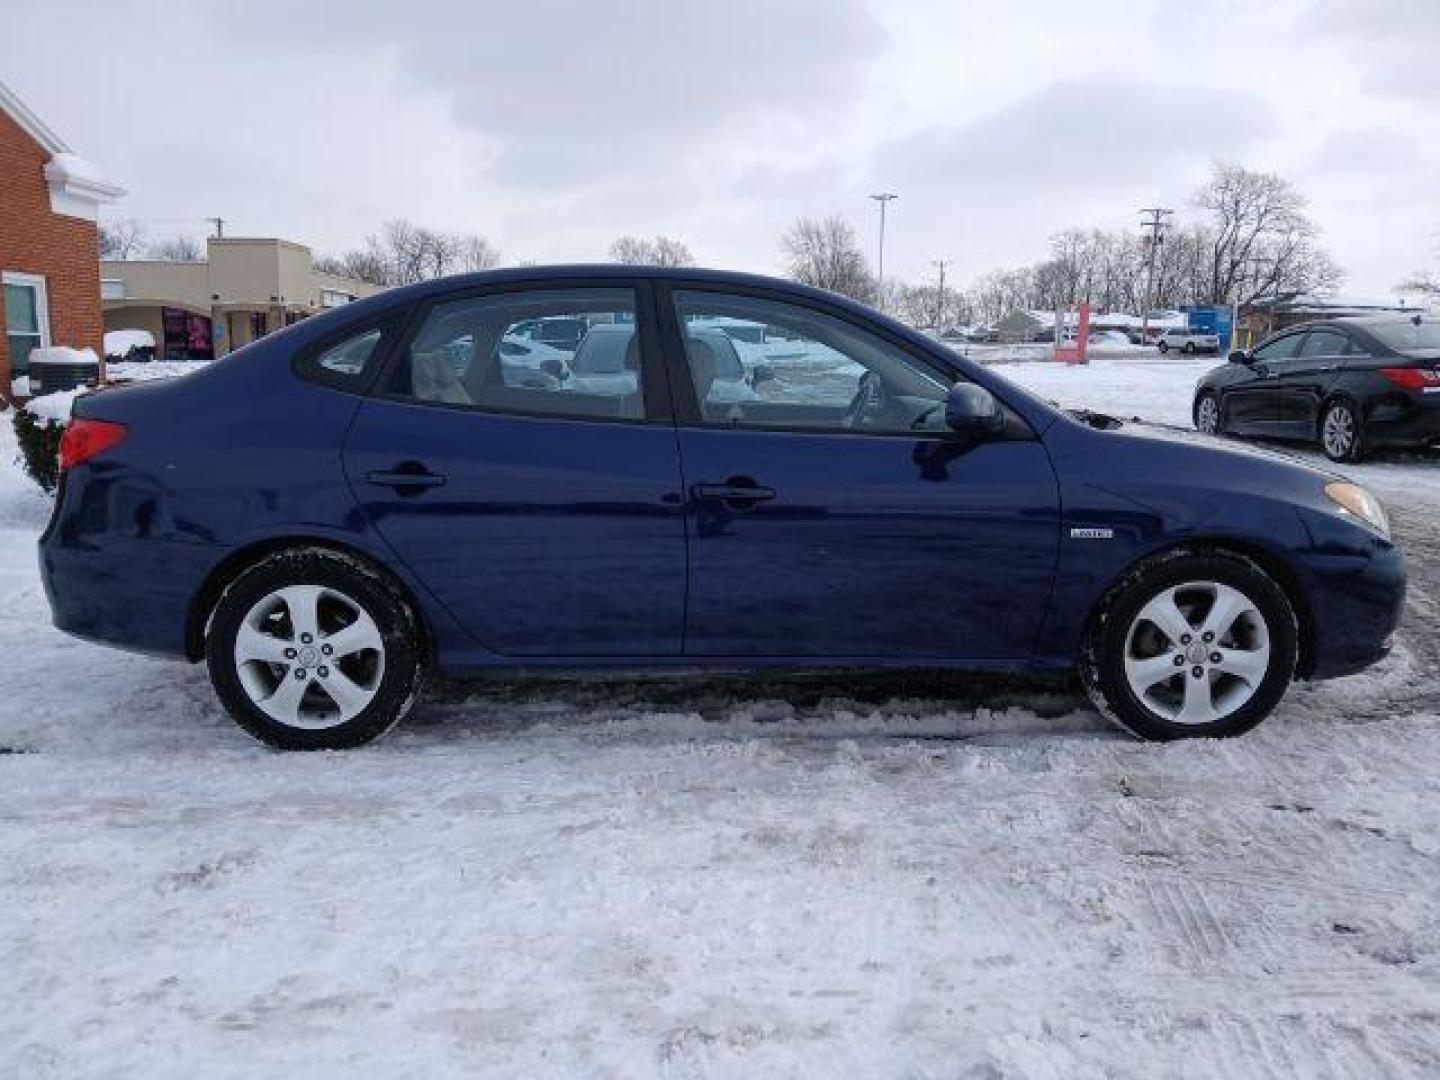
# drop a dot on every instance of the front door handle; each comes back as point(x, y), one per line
point(738, 493)
point(407, 478)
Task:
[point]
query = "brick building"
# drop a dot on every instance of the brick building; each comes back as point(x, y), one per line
point(49, 241)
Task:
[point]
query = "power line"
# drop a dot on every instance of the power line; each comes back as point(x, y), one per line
point(1156, 219)
point(940, 264)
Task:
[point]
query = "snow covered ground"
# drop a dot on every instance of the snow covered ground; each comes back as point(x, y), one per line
point(883, 876)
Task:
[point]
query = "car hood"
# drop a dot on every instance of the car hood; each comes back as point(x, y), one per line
point(1218, 451)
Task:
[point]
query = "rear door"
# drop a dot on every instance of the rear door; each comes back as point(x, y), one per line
point(1301, 382)
point(546, 518)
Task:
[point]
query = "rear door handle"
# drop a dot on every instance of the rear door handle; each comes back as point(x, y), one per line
point(406, 478)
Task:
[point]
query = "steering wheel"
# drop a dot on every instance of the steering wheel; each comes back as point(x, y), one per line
point(870, 397)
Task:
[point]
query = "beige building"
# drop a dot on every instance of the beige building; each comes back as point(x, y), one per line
point(246, 288)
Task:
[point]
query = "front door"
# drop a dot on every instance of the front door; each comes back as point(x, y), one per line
point(545, 516)
point(1252, 406)
point(831, 513)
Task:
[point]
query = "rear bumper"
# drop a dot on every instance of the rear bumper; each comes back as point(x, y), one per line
point(1412, 420)
point(1355, 606)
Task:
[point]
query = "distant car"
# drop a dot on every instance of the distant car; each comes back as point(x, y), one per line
point(559, 332)
point(335, 512)
point(608, 362)
point(1352, 385)
point(1186, 340)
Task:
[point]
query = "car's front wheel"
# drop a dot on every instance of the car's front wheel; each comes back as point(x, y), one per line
point(1163, 347)
point(1191, 646)
point(1207, 413)
point(312, 650)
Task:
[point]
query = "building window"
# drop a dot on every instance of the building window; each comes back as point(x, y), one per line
point(27, 318)
point(334, 297)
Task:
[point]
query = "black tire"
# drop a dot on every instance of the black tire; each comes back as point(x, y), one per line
point(398, 685)
point(1102, 666)
point(1162, 346)
point(1195, 411)
point(1336, 449)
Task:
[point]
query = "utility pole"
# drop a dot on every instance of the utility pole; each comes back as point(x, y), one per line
point(219, 223)
point(882, 198)
point(1156, 219)
point(940, 264)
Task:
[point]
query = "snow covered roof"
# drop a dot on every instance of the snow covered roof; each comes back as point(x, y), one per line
point(77, 187)
point(1333, 305)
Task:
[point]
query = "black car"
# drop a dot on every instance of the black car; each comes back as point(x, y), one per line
point(1351, 385)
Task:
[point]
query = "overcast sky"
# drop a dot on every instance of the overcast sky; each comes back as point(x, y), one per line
point(553, 126)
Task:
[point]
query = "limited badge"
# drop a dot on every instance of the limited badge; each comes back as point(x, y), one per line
point(1092, 534)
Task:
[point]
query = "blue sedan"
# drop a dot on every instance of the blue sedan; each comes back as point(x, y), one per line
point(380, 492)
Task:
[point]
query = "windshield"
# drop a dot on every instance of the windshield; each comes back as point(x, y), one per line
point(1409, 336)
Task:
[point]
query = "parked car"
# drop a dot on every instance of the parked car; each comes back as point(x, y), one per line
point(1187, 340)
point(325, 535)
point(1352, 385)
point(608, 362)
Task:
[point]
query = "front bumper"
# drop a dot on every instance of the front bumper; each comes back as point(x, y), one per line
point(1355, 607)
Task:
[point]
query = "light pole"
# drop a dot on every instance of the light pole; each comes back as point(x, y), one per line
point(882, 198)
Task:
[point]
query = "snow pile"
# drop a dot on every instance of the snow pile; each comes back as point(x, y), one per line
point(155, 369)
point(54, 408)
point(20, 386)
point(120, 343)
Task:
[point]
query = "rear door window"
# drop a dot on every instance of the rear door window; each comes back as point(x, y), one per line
point(541, 352)
point(1325, 343)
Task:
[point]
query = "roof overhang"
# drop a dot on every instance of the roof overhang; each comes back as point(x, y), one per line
point(77, 188)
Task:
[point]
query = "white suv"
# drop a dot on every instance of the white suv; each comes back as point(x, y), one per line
point(1188, 341)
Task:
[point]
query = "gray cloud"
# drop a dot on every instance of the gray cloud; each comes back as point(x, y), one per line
point(570, 90)
point(1081, 134)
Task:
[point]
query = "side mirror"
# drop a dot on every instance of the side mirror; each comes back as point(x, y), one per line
point(1240, 356)
point(763, 373)
point(973, 411)
point(552, 366)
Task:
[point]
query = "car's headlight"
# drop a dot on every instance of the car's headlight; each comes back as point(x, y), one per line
point(1355, 500)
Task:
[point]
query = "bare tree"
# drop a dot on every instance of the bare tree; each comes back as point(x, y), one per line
point(826, 254)
point(662, 251)
point(1258, 218)
point(404, 253)
point(121, 239)
point(475, 253)
point(177, 249)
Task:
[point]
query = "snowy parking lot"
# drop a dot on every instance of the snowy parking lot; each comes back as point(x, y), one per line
point(894, 876)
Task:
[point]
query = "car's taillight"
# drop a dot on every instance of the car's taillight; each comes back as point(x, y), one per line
point(83, 439)
point(1412, 378)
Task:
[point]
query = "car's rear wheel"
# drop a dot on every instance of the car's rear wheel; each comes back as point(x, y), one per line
point(1340, 432)
point(1163, 347)
point(1192, 646)
point(312, 650)
point(1207, 413)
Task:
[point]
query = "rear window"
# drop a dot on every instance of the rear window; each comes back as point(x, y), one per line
point(346, 362)
point(1415, 335)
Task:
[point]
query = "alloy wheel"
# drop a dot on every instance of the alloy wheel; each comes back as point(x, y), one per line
point(309, 656)
point(1207, 415)
point(1338, 432)
point(1197, 652)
